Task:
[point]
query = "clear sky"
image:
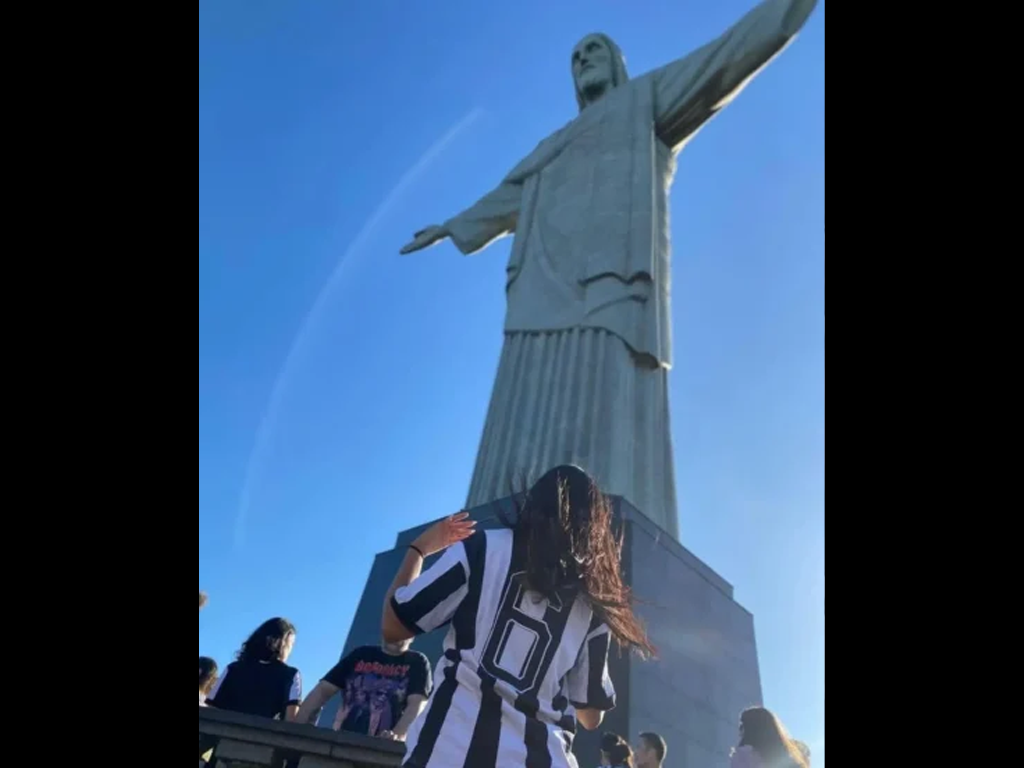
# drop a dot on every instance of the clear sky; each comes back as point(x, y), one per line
point(342, 389)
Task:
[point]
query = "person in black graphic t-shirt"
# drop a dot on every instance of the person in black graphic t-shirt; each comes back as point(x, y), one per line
point(383, 690)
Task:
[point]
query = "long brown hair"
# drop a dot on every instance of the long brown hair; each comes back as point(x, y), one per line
point(763, 731)
point(566, 524)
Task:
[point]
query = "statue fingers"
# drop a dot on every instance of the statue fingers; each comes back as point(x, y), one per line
point(416, 245)
point(424, 239)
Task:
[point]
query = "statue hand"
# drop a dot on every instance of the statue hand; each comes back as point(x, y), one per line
point(432, 235)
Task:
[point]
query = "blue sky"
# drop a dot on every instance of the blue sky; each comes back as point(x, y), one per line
point(342, 389)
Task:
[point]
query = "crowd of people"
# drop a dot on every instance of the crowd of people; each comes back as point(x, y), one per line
point(533, 610)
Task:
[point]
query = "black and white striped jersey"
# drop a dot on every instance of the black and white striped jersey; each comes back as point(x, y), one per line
point(516, 666)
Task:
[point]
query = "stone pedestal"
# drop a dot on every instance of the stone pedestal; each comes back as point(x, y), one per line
point(692, 695)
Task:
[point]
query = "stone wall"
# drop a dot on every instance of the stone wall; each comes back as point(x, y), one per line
point(242, 741)
point(707, 672)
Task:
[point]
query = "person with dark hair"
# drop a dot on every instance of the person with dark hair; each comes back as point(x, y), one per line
point(260, 682)
point(650, 751)
point(764, 743)
point(615, 752)
point(207, 678)
point(533, 610)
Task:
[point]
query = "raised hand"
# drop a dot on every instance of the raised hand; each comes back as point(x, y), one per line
point(425, 238)
point(442, 535)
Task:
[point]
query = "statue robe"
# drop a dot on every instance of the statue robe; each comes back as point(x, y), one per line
point(583, 377)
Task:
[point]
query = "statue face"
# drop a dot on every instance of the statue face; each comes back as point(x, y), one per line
point(592, 66)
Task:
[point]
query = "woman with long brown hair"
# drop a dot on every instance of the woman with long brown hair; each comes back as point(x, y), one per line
point(764, 743)
point(533, 610)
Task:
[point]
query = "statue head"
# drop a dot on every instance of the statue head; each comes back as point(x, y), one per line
point(597, 66)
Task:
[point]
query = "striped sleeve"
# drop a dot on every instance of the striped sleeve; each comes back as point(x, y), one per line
point(431, 601)
point(589, 685)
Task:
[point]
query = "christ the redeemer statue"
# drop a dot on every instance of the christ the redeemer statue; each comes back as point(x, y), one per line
point(583, 377)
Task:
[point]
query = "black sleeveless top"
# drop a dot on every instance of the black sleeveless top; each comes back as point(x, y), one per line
point(258, 688)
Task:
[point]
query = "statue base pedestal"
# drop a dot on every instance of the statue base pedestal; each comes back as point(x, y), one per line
point(707, 672)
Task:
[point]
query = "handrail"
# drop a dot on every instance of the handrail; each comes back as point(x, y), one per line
point(255, 741)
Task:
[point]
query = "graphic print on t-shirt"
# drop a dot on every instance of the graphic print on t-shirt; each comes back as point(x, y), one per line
point(375, 688)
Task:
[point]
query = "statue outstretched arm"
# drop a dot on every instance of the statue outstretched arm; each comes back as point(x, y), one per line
point(691, 91)
point(494, 216)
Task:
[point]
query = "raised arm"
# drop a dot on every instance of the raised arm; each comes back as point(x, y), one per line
point(415, 605)
point(691, 91)
point(493, 217)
